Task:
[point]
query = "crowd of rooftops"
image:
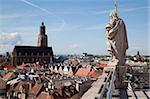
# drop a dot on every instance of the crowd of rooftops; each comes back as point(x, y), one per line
point(69, 80)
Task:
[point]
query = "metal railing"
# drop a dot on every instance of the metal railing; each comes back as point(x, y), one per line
point(108, 86)
point(111, 86)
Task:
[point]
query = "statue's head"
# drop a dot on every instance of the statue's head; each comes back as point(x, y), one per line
point(108, 27)
point(113, 15)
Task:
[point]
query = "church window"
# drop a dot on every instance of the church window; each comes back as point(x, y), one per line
point(19, 53)
point(20, 59)
point(32, 59)
point(38, 53)
point(37, 59)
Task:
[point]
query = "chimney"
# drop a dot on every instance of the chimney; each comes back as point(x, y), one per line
point(30, 85)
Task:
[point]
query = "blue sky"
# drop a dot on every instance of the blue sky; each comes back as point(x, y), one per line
point(72, 26)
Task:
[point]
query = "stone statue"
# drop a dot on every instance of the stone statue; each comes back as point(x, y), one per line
point(117, 45)
point(116, 39)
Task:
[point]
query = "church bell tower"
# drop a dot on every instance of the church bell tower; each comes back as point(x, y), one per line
point(42, 37)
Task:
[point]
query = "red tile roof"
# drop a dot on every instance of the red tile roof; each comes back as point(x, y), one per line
point(83, 72)
point(24, 65)
point(88, 72)
point(8, 76)
point(36, 88)
point(102, 65)
point(9, 67)
point(36, 64)
point(27, 65)
point(42, 68)
point(94, 74)
point(45, 95)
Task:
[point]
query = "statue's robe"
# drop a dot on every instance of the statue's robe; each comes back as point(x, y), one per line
point(118, 43)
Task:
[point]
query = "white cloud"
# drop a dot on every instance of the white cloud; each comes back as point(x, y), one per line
point(10, 38)
point(74, 46)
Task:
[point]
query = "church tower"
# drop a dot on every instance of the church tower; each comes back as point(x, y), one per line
point(42, 37)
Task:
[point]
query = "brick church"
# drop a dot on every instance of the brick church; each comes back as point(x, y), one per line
point(32, 54)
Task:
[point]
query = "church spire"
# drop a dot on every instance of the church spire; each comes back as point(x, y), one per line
point(42, 28)
point(42, 37)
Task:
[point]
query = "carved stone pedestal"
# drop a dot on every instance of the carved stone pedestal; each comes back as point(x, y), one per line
point(120, 78)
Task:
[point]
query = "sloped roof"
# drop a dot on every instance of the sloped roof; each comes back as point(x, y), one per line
point(24, 65)
point(83, 71)
point(21, 83)
point(36, 89)
point(94, 74)
point(32, 49)
point(8, 76)
point(20, 47)
point(45, 95)
point(9, 67)
point(102, 65)
point(2, 84)
point(88, 72)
